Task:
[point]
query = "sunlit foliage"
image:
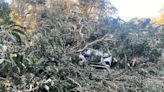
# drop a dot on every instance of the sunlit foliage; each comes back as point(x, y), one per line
point(92, 8)
point(160, 19)
point(23, 14)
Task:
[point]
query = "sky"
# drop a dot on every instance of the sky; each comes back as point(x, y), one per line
point(128, 9)
point(7, 0)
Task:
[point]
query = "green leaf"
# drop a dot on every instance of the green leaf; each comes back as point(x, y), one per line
point(17, 36)
point(12, 37)
point(19, 31)
point(18, 60)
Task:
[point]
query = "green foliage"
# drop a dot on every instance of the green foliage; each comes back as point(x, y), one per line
point(136, 44)
point(14, 64)
point(51, 63)
point(4, 12)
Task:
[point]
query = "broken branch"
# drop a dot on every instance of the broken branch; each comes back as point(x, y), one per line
point(94, 42)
